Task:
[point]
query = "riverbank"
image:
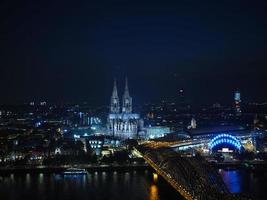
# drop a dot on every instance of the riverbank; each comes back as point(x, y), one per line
point(59, 169)
point(259, 166)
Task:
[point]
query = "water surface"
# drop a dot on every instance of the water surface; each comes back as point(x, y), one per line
point(94, 186)
point(252, 183)
point(133, 185)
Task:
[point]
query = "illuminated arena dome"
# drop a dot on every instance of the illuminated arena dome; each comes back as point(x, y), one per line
point(225, 140)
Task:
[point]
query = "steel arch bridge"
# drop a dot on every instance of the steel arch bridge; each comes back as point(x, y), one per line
point(225, 139)
point(192, 177)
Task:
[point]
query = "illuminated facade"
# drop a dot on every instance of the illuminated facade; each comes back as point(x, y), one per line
point(153, 132)
point(193, 124)
point(225, 140)
point(237, 98)
point(121, 122)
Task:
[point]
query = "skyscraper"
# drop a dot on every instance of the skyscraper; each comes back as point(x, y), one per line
point(237, 99)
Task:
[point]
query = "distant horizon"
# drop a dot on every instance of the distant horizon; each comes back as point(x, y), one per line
point(92, 102)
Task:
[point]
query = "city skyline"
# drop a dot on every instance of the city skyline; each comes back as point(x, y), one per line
point(175, 98)
point(133, 100)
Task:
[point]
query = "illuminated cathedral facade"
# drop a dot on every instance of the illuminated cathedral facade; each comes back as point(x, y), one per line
point(122, 123)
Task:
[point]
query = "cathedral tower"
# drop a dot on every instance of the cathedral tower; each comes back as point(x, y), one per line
point(126, 100)
point(114, 101)
point(122, 123)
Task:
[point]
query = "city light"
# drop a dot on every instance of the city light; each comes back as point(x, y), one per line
point(225, 139)
point(133, 100)
point(155, 177)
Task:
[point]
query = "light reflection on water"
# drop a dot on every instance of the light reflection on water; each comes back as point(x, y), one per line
point(95, 185)
point(12, 177)
point(41, 178)
point(251, 183)
point(153, 193)
point(111, 185)
point(28, 180)
point(232, 179)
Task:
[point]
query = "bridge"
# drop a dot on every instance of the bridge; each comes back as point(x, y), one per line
point(192, 177)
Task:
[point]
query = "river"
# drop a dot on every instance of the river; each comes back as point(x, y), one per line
point(132, 185)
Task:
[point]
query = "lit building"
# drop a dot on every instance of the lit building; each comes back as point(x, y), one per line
point(121, 122)
point(193, 124)
point(84, 119)
point(153, 132)
point(237, 98)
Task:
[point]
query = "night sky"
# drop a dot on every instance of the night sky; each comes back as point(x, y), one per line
point(70, 51)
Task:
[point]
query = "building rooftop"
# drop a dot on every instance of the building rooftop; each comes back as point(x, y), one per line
point(216, 129)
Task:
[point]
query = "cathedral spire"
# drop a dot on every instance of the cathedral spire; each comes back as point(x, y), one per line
point(114, 101)
point(126, 91)
point(126, 99)
point(115, 90)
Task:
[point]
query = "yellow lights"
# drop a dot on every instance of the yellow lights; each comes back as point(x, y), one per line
point(153, 195)
point(248, 145)
point(155, 177)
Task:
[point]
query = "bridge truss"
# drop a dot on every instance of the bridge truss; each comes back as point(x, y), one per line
point(192, 177)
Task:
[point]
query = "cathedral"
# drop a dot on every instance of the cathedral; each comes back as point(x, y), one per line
point(121, 122)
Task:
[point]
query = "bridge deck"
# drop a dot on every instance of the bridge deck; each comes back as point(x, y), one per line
point(167, 177)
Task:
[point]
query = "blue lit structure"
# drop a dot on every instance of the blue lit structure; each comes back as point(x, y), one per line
point(225, 139)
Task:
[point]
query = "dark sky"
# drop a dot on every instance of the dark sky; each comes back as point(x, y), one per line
point(65, 51)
